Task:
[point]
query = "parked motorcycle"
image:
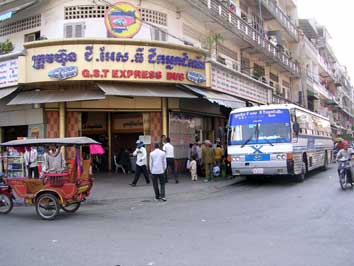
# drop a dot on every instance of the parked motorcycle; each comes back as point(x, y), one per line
point(344, 174)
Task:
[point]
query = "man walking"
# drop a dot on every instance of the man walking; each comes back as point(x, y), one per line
point(158, 167)
point(170, 157)
point(30, 158)
point(208, 160)
point(141, 161)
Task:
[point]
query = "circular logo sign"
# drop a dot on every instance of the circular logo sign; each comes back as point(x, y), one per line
point(123, 20)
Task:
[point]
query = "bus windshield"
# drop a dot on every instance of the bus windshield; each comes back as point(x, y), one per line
point(260, 127)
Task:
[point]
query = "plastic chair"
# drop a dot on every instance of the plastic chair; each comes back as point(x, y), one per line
point(117, 165)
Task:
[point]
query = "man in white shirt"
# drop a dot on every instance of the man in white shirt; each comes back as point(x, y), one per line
point(141, 161)
point(31, 162)
point(170, 157)
point(158, 167)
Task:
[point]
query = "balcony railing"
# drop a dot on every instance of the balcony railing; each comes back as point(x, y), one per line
point(312, 47)
point(277, 99)
point(282, 18)
point(219, 11)
point(326, 67)
point(317, 86)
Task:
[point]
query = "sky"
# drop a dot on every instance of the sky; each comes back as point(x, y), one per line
point(338, 17)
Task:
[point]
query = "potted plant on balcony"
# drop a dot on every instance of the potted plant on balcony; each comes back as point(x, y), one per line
point(212, 42)
point(6, 47)
point(258, 73)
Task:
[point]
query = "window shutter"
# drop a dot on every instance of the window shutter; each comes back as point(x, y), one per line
point(163, 36)
point(78, 31)
point(68, 31)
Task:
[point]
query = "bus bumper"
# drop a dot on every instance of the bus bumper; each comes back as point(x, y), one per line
point(261, 168)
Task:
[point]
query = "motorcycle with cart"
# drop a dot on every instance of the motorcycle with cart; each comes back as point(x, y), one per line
point(53, 191)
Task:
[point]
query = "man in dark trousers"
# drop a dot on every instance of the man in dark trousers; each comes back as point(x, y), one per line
point(170, 157)
point(158, 166)
point(141, 161)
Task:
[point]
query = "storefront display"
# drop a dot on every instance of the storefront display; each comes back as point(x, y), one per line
point(183, 130)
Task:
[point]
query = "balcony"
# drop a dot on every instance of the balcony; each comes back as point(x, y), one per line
point(318, 87)
point(282, 18)
point(226, 79)
point(326, 67)
point(219, 12)
point(278, 99)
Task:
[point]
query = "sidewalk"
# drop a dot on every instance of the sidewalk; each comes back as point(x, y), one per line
point(112, 187)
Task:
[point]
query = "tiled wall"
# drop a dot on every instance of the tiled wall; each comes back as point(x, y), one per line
point(72, 130)
point(52, 124)
point(155, 126)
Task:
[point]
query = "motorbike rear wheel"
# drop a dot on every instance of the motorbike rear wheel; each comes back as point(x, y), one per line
point(6, 204)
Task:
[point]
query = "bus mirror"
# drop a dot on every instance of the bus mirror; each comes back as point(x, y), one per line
point(296, 128)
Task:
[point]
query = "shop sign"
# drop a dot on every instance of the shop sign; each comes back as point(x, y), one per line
point(132, 124)
point(8, 73)
point(114, 62)
point(35, 131)
point(62, 73)
point(195, 77)
point(123, 20)
point(234, 83)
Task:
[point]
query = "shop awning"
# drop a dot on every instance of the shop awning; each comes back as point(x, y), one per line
point(144, 91)
point(7, 91)
point(54, 96)
point(218, 97)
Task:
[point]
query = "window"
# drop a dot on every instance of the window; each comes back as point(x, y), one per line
point(74, 30)
point(221, 60)
point(158, 35)
point(273, 77)
point(245, 65)
point(34, 36)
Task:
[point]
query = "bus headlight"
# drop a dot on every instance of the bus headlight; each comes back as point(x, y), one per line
point(236, 158)
point(281, 156)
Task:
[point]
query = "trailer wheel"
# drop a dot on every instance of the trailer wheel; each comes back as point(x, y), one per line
point(47, 206)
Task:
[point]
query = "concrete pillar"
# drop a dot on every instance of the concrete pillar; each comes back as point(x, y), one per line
point(61, 120)
point(109, 132)
point(62, 123)
point(164, 116)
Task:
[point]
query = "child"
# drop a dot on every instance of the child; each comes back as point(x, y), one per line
point(193, 168)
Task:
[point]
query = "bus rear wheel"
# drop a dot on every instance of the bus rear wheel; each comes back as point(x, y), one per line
point(325, 163)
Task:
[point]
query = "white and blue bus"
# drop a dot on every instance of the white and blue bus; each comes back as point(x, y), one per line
point(279, 139)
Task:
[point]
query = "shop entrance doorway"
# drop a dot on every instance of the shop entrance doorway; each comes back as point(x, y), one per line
point(124, 129)
point(12, 133)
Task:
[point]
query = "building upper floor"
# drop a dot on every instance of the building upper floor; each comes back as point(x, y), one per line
point(248, 27)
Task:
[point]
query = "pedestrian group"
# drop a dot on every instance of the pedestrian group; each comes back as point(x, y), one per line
point(204, 159)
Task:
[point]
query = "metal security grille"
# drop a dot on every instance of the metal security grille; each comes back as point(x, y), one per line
point(98, 11)
point(89, 11)
point(153, 16)
point(20, 25)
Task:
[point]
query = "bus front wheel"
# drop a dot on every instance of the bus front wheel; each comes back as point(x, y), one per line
point(301, 177)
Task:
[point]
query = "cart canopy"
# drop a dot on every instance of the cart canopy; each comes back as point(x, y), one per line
point(49, 141)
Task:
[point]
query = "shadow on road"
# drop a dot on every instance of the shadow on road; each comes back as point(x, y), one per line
point(279, 181)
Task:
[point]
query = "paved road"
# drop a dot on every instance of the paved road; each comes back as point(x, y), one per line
point(274, 223)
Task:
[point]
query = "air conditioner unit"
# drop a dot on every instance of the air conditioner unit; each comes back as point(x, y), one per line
point(30, 37)
point(235, 67)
